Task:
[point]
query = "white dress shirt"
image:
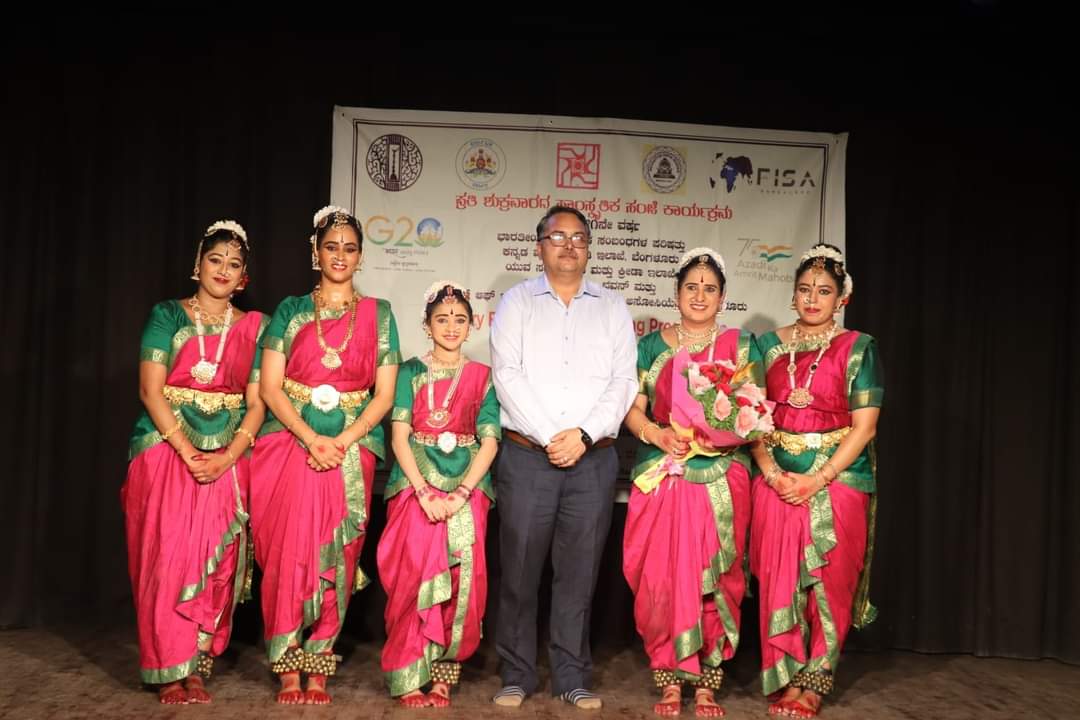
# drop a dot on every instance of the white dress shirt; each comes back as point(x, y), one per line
point(559, 366)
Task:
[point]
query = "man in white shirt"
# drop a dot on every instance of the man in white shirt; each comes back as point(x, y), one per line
point(564, 362)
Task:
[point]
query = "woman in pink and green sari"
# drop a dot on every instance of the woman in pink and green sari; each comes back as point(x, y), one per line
point(685, 536)
point(328, 369)
point(813, 507)
point(431, 555)
point(185, 497)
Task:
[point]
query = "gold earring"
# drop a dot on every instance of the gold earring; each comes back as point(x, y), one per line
point(314, 253)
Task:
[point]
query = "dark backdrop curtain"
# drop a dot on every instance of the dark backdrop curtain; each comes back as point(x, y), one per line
point(119, 148)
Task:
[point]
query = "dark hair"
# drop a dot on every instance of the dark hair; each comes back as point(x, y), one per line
point(222, 236)
point(833, 267)
point(706, 259)
point(558, 210)
point(449, 290)
point(335, 219)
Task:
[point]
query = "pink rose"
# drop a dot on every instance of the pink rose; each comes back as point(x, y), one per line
point(722, 407)
point(698, 383)
point(765, 423)
point(751, 392)
point(746, 421)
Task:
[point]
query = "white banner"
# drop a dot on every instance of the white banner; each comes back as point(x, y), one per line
point(458, 195)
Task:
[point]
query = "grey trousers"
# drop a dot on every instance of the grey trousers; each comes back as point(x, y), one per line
point(568, 512)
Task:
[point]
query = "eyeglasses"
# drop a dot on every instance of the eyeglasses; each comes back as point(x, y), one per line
point(559, 238)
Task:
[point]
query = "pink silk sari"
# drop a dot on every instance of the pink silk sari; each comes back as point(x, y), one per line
point(678, 534)
point(187, 541)
point(807, 558)
point(435, 574)
point(309, 526)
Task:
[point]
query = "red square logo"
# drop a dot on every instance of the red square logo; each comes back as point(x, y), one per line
point(577, 166)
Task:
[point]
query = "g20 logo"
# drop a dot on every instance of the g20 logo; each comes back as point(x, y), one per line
point(381, 230)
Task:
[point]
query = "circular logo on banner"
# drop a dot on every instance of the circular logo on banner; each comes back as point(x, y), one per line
point(394, 162)
point(429, 232)
point(481, 164)
point(664, 169)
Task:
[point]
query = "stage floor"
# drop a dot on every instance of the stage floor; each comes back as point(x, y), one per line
point(79, 674)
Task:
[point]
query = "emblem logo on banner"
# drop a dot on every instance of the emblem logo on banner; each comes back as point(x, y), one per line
point(663, 169)
point(481, 164)
point(394, 162)
point(577, 166)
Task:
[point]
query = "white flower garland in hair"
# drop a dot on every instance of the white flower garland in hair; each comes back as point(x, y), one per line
point(435, 287)
point(691, 255)
point(837, 257)
point(231, 225)
point(822, 251)
point(327, 212)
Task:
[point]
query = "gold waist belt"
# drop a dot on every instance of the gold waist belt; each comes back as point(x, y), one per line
point(208, 402)
point(798, 443)
point(326, 397)
point(432, 440)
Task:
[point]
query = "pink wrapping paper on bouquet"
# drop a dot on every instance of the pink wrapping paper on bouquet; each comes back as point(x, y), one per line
point(716, 407)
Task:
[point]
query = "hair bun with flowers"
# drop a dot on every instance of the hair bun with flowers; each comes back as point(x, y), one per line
point(230, 226)
point(320, 217)
point(433, 291)
point(839, 264)
point(434, 288)
point(698, 254)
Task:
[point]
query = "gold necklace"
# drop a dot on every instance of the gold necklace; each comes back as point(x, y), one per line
point(812, 337)
point(205, 317)
point(204, 371)
point(684, 334)
point(801, 397)
point(439, 418)
point(331, 358)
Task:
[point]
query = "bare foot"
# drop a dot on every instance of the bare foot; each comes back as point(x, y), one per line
point(290, 693)
point(316, 691)
point(196, 691)
point(670, 701)
point(414, 699)
point(172, 694)
point(806, 706)
point(780, 707)
point(705, 704)
point(439, 696)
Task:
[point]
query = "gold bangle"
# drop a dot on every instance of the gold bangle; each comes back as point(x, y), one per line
point(250, 437)
point(835, 474)
point(641, 434)
point(168, 433)
point(367, 426)
point(651, 423)
point(231, 456)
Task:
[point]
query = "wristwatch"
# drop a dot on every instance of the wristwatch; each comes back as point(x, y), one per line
point(586, 439)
